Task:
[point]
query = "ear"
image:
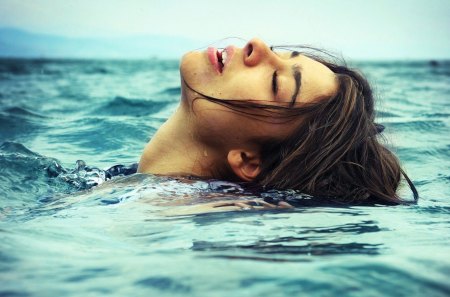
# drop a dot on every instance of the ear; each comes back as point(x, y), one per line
point(245, 164)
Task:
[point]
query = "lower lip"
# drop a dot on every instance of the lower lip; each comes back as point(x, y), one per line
point(212, 55)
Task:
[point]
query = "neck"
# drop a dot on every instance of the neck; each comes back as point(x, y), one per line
point(173, 150)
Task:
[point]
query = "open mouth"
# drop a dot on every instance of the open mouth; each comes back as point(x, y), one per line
point(221, 58)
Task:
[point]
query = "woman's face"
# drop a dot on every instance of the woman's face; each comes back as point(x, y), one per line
point(254, 73)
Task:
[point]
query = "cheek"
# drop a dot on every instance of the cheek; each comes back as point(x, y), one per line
point(219, 126)
point(245, 87)
point(215, 123)
point(196, 70)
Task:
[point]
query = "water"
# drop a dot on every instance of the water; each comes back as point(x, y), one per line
point(137, 236)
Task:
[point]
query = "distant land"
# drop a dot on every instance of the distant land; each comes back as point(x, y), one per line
point(17, 43)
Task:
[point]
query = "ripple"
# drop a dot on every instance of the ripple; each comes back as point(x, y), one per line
point(12, 293)
point(164, 284)
point(418, 126)
point(395, 280)
point(436, 209)
point(386, 114)
point(354, 228)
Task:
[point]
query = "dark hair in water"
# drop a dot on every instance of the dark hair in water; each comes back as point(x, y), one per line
point(335, 152)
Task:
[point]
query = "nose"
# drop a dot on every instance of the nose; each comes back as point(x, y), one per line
point(256, 51)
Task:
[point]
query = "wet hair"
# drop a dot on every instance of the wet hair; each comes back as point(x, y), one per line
point(335, 153)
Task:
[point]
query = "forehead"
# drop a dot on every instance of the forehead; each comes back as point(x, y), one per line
point(318, 80)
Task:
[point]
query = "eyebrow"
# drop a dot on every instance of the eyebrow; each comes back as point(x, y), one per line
point(298, 82)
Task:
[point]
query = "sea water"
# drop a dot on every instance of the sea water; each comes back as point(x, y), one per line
point(135, 235)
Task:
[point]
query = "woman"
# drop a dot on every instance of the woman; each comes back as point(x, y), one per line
point(279, 120)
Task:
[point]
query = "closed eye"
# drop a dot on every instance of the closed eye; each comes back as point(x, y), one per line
point(275, 83)
point(274, 78)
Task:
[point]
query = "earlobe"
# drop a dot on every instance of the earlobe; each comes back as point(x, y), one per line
point(245, 164)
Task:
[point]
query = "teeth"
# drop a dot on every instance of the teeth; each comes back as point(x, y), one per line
point(224, 56)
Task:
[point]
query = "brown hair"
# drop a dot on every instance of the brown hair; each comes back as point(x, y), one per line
point(335, 153)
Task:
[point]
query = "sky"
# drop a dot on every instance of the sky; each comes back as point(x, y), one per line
point(374, 29)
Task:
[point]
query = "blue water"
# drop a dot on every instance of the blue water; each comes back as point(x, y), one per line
point(142, 235)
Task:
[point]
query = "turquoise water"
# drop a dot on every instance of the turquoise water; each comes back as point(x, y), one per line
point(137, 236)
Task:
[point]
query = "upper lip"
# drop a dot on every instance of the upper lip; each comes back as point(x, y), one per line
point(229, 51)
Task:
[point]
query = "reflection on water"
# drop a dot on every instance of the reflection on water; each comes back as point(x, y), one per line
point(274, 248)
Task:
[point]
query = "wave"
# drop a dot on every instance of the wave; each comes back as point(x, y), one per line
point(31, 180)
point(386, 114)
point(121, 106)
point(171, 91)
point(105, 138)
point(25, 175)
point(15, 67)
point(425, 154)
point(19, 122)
point(9, 147)
point(97, 70)
point(22, 111)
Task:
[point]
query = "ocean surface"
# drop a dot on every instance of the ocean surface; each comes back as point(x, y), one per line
point(140, 235)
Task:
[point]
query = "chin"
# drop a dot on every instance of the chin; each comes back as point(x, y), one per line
point(189, 63)
point(196, 70)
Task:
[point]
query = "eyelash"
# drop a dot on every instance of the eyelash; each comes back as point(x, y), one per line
point(274, 77)
point(275, 73)
point(275, 82)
